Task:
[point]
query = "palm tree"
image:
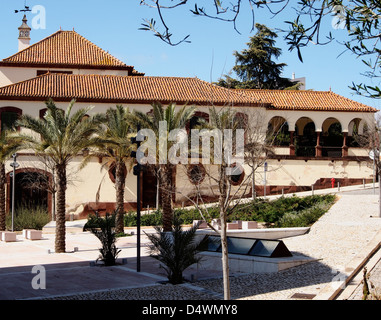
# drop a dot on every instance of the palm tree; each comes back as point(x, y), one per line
point(116, 146)
point(174, 120)
point(61, 136)
point(9, 144)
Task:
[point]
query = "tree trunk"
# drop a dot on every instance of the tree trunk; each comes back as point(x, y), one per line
point(253, 194)
point(60, 246)
point(224, 242)
point(166, 196)
point(119, 186)
point(2, 197)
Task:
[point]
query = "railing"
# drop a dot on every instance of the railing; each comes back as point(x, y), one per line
point(310, 151)
point(305, 151)
point(332, 152)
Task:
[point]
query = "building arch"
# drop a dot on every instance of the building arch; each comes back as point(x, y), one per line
point(196, 173)
point(278, 130)
point(354, 126)
point(42, 113)
point(333, 138)
point(306, 137)
point(197, 119)
point(8, 117)
point(237, 174)
point(31, 188)
point(329, 123)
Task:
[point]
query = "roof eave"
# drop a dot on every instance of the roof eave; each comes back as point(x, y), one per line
point(65, 66)
point(125, 101)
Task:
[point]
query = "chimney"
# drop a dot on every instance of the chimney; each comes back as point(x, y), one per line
point(24, 34)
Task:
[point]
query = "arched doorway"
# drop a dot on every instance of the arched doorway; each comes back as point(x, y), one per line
point(8, 117)
point(278, 132)
point(332, 138)
point(305, 141)
point(355, 137)
point(31, 189)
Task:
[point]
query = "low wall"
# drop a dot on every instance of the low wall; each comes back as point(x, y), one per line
point(250, 264)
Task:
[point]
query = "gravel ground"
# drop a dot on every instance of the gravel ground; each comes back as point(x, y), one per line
point(335, 239)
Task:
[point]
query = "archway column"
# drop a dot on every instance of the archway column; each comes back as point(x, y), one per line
point(292, 145)
point(344, 152)
point(318, 149)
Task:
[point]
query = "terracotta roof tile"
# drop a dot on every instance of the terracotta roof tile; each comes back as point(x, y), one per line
point(306, 100)
point(65, 49)
point(123, 89)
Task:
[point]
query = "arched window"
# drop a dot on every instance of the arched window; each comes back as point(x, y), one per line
point(42, 113)
point(332, 133)
point(197, 119)
point(278, 132)
point(196, 173)
point(305, 142)
point(237, 174)
point(112, 172)
point(355, 138)
point(33, 188)
point(9, 116)
point(242, 120)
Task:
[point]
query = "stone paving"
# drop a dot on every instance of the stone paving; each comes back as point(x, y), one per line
point(336, 240)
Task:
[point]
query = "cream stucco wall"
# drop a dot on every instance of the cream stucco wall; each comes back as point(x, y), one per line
point(10, 75)
point(84, 184)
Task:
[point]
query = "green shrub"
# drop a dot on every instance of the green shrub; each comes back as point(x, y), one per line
point(152, 219)
point(267, 211)
point(302, 210)
point(176, 250)
point(303, 218)
point(28, 218)
point(104, 230)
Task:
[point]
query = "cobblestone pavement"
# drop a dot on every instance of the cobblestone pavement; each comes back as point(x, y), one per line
point(340, 236)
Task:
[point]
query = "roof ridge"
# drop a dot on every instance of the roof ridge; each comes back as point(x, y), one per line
point(113, 75)
point(284, 90)
point(101, 58)
point(95, 45)
point(32, 45)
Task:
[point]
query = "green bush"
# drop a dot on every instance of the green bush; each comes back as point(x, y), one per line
point(304, 218)
point(104, 230)
point(302, 210)
point(272, 211)
point(28, 218)
point(176, 250)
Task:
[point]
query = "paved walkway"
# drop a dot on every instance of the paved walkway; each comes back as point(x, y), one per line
point(342, 240)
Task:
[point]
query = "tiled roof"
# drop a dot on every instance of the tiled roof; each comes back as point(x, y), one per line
point(65, 49)
point(306, 100)
point(123, 89)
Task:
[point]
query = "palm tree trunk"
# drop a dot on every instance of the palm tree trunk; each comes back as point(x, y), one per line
point(166, 196)
point(60, 246)
point(119, 186)
point(2, 197)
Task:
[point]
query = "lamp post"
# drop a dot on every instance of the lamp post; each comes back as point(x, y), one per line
point(137, 172)
point(14, 165)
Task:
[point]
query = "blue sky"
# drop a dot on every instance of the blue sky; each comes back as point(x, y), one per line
point(113, 25)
